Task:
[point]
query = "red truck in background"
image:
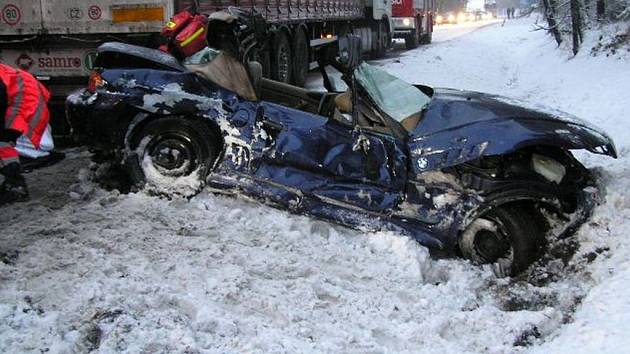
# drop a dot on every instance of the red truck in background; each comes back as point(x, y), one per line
point(413, 21)
point(56, 40)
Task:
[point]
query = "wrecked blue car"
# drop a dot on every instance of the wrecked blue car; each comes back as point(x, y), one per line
point(463, 173)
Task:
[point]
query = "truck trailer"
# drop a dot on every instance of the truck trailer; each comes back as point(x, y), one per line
point(57, 40)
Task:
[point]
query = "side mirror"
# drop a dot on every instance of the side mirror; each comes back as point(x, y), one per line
point(350, 51)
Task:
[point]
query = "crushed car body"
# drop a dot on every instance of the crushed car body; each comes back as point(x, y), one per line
point(463, 173)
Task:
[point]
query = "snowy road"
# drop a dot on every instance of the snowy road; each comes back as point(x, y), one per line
point(95, 270)
point(443, 33)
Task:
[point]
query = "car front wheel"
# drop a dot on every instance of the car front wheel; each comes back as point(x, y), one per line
point(172, 156)
point(509, 237)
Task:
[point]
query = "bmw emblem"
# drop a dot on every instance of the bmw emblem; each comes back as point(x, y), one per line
point(423, 163)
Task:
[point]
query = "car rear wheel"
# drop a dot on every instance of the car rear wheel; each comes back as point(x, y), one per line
point(509, 237)
point(172, 156)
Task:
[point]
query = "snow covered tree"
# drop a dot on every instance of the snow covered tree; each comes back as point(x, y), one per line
point(572, 18)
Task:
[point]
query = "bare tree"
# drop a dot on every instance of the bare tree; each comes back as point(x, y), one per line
point(550, 15)
point(576, 25)
point(601, 9)
point(575, 17)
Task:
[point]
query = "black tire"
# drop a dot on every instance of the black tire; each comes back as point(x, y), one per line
point(262, 56)
point(281, 63)
point(411, 40)
point(509, 237)
point(300, 58)
point(173, 156)
point(426, 38)
point(379, 38)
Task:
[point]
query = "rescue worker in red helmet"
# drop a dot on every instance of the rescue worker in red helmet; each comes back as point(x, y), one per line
point(23, 111)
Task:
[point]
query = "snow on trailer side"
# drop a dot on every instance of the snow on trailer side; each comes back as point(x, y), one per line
point(32, 17)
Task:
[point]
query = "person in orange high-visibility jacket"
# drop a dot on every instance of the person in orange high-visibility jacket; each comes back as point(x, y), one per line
point(23, 111)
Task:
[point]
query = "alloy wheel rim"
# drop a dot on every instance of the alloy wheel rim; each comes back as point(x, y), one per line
point(491, 245)
point(173, 155)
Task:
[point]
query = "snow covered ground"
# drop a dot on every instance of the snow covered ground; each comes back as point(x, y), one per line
point(85, 269)
point(447, 32)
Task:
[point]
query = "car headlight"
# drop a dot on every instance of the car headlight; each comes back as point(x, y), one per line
point(549, 168)
point(439, 19)
point(461, 17)
point(405, 22)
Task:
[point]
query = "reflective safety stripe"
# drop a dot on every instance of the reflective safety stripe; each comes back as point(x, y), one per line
point(16, 104)
point(37, 117)
point(4, 162)
point(192, 38)
point(8, 154)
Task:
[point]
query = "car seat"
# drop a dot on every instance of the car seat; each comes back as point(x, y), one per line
point(343, 101)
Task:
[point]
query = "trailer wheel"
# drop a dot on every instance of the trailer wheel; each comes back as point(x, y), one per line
point(411, 40)
point(281, 63)
point(300, 58)
point(379, 39)
point(262, 56)
point(426, 38)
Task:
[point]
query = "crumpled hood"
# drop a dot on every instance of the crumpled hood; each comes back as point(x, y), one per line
point(459, 126)
point(452, 108)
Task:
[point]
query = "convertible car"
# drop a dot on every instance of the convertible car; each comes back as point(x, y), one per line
point(463, 173)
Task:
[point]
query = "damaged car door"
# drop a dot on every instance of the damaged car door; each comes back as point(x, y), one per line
point(330, 160)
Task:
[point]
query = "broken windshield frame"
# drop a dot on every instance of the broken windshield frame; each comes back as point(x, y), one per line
point(395, 97)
